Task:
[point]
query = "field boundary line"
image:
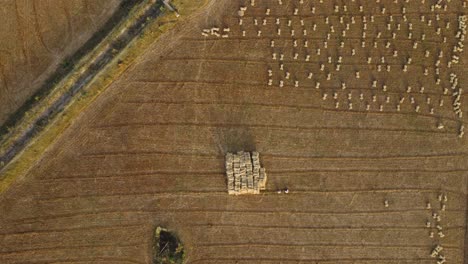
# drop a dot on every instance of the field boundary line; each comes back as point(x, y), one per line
point(29, 220)
point(213, 191)
point(264, 86)
point(315, 245)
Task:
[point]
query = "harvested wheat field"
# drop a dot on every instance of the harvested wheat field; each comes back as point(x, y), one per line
point(356, 107)
point(36, 36)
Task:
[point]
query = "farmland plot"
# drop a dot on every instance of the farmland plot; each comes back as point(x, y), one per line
point(376, 165)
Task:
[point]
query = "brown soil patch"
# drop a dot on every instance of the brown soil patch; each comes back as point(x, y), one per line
point(150, 152)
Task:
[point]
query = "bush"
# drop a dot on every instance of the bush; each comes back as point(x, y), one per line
point(167, 248)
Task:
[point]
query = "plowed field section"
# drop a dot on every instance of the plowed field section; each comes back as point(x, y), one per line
point(150, 151)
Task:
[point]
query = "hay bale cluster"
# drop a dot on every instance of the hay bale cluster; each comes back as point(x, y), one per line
point(244, 173)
